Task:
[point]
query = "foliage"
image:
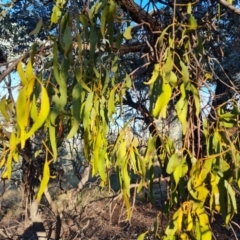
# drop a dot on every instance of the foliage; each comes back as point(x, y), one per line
point(83, 88)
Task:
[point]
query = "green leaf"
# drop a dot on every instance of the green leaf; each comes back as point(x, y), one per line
point(185, 72)
point(169, 63)
point(182, 109)
point(87, 110)
point(84, 20)
point(172, 78)
point(76, 107)
point(128, 82)
point(52, 136)
point(104, 17)
point(111, 104)
point(172, 164)
point(192, 23)
point(93, 42)
point(121, 155)
point(127, 33)
point(196, 99)
point(37, 28)
point(163, 100)
point(232, 195)
point(180, 171)
point(67, 39)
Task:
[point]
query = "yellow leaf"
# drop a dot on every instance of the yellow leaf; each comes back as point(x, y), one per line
point(192, 22)
point(202, 216)
point(9, 166)
point(21, 74)
point(179, 220)
point(111, 104)
point(22, 114)
point(208, 76)
point(189, 222)
point(52, 135)
point(206, 232)
point(121, 154)
point(3, 108)
point(45, 180)
point(56, 13)
point(43, 114)
point(34, 113)
point(155, 75)
point(142, 236)
point(29, 71)
point(172, 79)
point(162, 101)
point(189, 8)
point(5, 175)
point(127, 33)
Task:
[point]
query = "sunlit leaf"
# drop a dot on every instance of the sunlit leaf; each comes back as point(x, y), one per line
point(189, 8)
point(127, 34)
point(56, 13)
point(43, 113)
point(142, 236)
point(44, 181)
point(172, 164)
point(21, 74)
point(192, 23)
point(155, 75)
point(162, 101)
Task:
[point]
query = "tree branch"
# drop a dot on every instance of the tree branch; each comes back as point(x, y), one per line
point(230, 6)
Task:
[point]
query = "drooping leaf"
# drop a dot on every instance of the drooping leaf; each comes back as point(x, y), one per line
point(56, 13)
point(154, 76)
point(104, 17)
point(127, 34)
point(3, 108)
point(21, 74)
point(182, 109)
point(172, 164)
point(192, 23)
point(163, 100)
point(44, 181)
point(142, 236)
point(185, 72)
point(43, 113)
point(37, 29)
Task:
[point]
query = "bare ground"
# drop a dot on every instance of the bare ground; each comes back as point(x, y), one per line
point(98, 214)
